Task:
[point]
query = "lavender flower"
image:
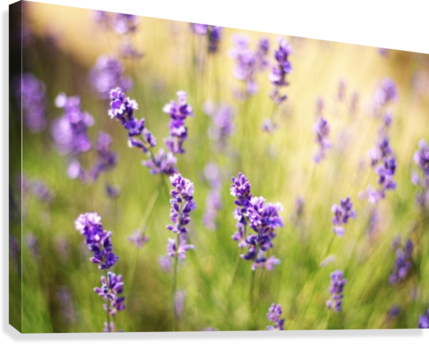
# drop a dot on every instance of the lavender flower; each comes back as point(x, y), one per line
point(178, 113)
point(336, 290)
point(393, 312)
point(342, 214)
point(421, 178)
point(385, 94)
point(107, 74)
point(179, 302)
point(223, 125)
point(341, 90)
point(97, 240)
point(106, 159)
point(213, 33)
point(280, 71)
point(138, 239)
point(161, 163)
point(165, 263)
point(424, 320)
point(125, 23)
point(182, 204)
point(273, 315)
point(111, 290)
point(213, 205)
point(402, 263)
point(30, 92)
point(262, 218)
point(70, 131)
point(269, 126)
point(321, 128)
point(113, 191)
point(248, 63)
point(66, 305)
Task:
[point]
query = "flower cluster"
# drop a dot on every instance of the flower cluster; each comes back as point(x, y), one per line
point(30, 93)
point(106, 158)
point(321, 128)
point(138, 239)
point(384, 164)
point(424, 320)
point(182, 204)
point(107, 74)
point(421, 158)
point(97, 239)
point(402, 263)
point(279, 71)
point(248, 62)
point(111, 290)
point(70, 133)
point(336, 289)
point(161, 163)
point(178, 113)
point(342, 214)
point(385, 94)
point(121, 23)
point(273, 315)
point(213, 33)
point(262, 217)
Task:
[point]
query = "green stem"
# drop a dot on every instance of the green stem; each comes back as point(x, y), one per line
point(174, 285)
point(108, 304)
point(251, 301)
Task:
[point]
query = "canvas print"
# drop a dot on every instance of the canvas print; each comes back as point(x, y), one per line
point(173, 176)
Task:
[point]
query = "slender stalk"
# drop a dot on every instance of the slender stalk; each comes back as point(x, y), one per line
point(108, 304)
point(174, 285)
point(251, 300)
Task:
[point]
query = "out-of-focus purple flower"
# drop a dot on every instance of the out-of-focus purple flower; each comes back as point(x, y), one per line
point(354, 103)
point(128, 51)
point(106, 158)
point(111, 290)
point(182, 204)
point(97, 240)
point(384, 163)
point(393, 312)
point(179, 302)
point(342, 214)
point(320, 106)
point(213, 205)
point(321, 128)
point(273, 315)
point(70, 130)
point(138, 238)
point(265, 263)
point(213, 33)
point(199, 29)
point(223, 124)
point(178, 113)
point(163, 162)
point(107, 74)
point(336, 289)
point(125, 23)
point(280, 70)
point(269, 126)
point(165, 263)
point(402, 263)
point(30, 93)
point(66, 305)
point(424, 320)
point(384, 52)
point(113, 191)
point(341, 92)
point(421, 178)
point(248, 62)
point(386, 93)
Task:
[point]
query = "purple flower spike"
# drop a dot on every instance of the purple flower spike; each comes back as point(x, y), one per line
point(106, 158)
point(178, 113)
point(385, 94)
point(248, 63)
point(403, 263)
point(162, 163)
point(125, 23)
point(213, 33)
point(273, 315)
point(336, 290)
point(321, 128)
point(424, 320)
point(421, 178)
point(97, 240)
point(279, 71)
point(111, 290)
point(182, 204)
point(342, 214)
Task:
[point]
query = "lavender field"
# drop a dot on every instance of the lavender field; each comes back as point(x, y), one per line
point(188, 177)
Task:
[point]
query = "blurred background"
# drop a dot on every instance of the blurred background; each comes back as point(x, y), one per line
point(61, 47)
